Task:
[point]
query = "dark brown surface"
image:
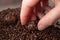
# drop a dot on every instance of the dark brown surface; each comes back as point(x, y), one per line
point(11, 28)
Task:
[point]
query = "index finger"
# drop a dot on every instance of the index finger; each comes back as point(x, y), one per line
point(26, 9)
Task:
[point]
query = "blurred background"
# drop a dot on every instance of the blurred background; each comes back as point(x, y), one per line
point(4, 4)
point(13, 4)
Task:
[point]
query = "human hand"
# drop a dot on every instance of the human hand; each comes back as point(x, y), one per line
point(31, 7)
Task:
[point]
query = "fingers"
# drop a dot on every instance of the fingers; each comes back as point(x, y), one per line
point(49, 19)
point(40, 15)
point(46, 5)
point(39, 10)
point(26, 10)
point(25, 13)
point(48, 8)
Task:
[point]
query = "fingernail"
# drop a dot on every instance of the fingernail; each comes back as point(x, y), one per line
point(41, 27)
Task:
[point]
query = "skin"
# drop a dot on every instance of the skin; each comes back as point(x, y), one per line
point(31, 7)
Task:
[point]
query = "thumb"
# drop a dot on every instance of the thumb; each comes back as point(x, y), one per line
point(49, 18)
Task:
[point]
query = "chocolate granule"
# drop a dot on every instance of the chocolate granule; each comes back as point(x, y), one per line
point(11, 28)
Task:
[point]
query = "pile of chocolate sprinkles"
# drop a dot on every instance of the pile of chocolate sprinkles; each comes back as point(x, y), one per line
point(11, 28)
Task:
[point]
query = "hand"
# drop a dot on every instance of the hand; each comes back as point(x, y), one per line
point(31, 7)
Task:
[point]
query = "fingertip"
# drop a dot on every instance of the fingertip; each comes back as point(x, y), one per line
point(22, 21)
point(40, 27)
point(24, 14)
